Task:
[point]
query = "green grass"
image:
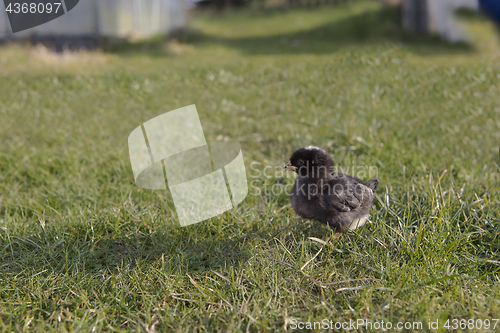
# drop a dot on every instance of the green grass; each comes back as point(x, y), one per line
point(83, 248)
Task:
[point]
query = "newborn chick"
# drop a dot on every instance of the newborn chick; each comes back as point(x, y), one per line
point(341, 201)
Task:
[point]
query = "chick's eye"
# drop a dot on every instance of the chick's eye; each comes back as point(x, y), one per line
point(300, 162)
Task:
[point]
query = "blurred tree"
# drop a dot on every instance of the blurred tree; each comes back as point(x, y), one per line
point(492, 9)
point(221, 4)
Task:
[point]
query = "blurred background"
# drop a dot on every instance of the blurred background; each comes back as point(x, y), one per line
point(242, 61)
point(92, 21)
point(410, 87)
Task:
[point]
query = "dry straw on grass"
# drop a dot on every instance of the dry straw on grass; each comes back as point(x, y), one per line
point(82, 58)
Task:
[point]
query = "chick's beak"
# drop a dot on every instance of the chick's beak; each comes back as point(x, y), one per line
point(289, 166)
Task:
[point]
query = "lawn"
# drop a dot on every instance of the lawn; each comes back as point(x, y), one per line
point(82, 248)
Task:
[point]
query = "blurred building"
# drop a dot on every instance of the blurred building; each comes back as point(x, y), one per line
point(435, 16)
point(107, 18)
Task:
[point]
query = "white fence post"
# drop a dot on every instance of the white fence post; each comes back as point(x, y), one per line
point(435, 16)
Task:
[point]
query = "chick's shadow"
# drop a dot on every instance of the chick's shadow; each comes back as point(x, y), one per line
point(178, 250)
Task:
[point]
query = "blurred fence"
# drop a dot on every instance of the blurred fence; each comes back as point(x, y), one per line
point(108, 18)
